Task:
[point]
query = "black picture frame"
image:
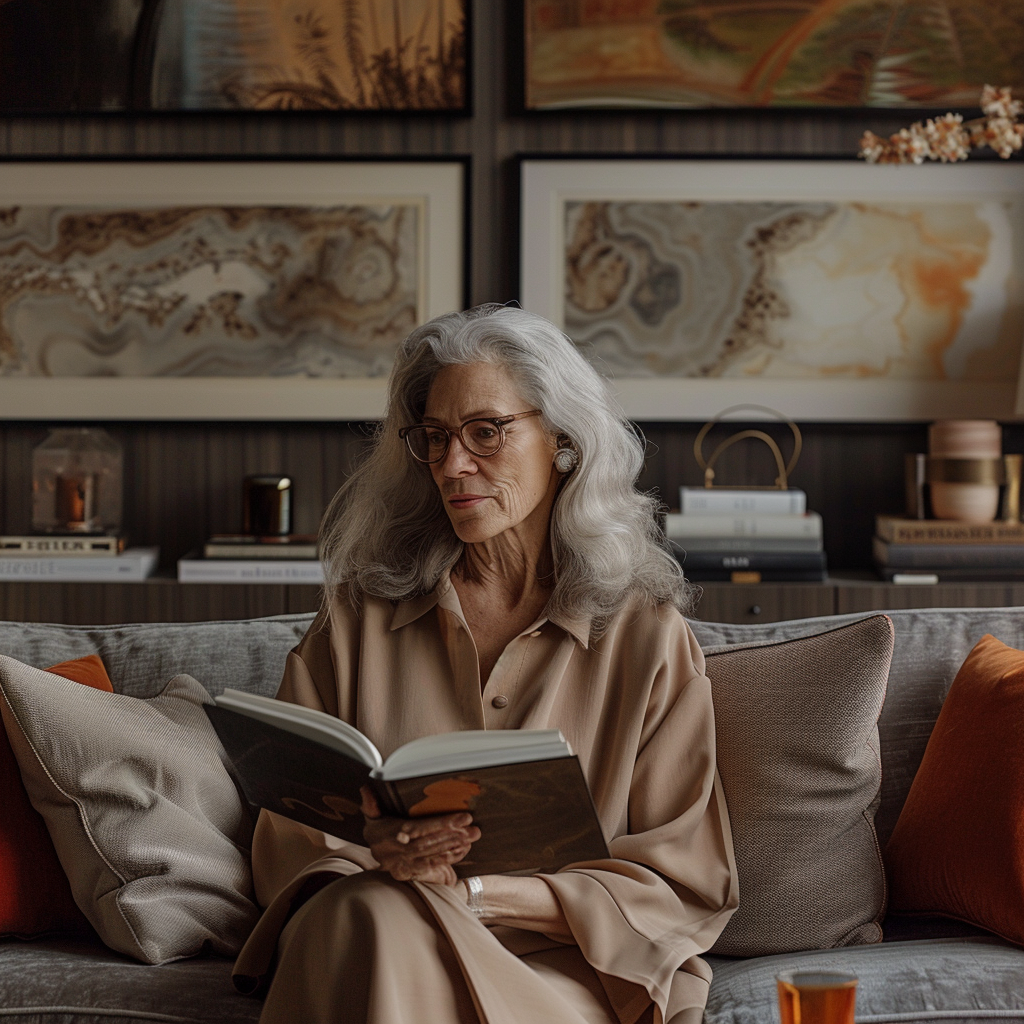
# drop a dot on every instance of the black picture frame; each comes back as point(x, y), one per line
point(97, 57)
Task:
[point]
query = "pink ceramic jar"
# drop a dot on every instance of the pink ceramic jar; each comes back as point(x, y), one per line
point(965, 439)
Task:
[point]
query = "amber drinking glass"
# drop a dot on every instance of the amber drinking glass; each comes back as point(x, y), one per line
point(816, 997)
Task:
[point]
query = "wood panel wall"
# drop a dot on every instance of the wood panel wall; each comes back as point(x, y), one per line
point(183, 480)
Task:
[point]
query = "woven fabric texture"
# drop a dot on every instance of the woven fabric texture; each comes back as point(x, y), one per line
point(141, 657)
point(931, 645)
point(798, 753)
point(935, 981)
point(146, 821)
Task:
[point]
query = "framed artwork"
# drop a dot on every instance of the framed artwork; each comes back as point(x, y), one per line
point(67, 56)
point(830, 290)
point(762, 53)
point(219, 289)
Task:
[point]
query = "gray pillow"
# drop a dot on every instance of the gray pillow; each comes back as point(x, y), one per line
point(146, 821)
point(797, 732)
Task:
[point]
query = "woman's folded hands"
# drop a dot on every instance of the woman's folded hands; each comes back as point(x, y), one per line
point(419, 849)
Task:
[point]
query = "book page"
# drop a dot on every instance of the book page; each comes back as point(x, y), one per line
point(472, 748)
point(313, 725)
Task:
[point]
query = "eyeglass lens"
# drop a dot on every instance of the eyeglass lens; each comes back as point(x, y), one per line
point(430, 444)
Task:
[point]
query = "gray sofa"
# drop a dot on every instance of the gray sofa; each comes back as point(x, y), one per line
point(927, 970)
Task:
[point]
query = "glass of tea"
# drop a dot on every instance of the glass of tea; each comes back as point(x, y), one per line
point(816, 997)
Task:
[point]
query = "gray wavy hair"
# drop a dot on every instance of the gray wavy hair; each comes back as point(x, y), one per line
point(386, 532)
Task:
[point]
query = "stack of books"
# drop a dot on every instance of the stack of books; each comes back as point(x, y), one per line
point(83, 558)
point(940, 550)
point(747, 536)
point(241, 558)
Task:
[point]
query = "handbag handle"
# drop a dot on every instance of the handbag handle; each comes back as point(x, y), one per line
point(784, 468)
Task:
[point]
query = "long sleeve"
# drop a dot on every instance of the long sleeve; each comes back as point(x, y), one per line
point(671, 887)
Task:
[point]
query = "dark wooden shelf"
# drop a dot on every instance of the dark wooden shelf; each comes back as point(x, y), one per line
point(163, 599)
point(158, 599)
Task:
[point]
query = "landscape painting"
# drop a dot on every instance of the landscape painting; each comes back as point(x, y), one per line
point(771, 53)
point(322, 55)
point(823, 289)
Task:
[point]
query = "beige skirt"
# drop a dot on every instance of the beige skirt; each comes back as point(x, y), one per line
point(366, 949)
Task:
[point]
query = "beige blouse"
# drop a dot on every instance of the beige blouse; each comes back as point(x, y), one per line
point(635, 706)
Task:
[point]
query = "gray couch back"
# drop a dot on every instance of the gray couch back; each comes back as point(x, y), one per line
point(931, 644)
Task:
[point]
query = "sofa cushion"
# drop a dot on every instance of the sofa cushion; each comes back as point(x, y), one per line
point(931, 981)
point(796, 726)
point(147, 823)
point(35, 898)
point(248, 654)
point(50, 982)
point(931, 644)
point(958, 847)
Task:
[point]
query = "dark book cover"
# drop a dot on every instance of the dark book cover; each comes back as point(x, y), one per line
point(293, 776)
point(533, 816)
point(949, 556)
point(763, 575)
point(954, 575)
point(755, 561)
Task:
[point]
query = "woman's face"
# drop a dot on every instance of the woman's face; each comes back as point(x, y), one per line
point(485, 496)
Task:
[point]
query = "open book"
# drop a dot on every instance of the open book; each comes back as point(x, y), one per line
point(524, 787)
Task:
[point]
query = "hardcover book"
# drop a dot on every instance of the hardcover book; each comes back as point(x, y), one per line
point(241, 545)
point(898, 530)
point(525, 788)
point(745, 501)
point(948, 556)
point(194, 569)
point(732, 561)
point(131, 566)
point(63, 545)
point(806, 527)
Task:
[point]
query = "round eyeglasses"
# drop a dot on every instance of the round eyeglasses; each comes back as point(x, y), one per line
point(429, 442)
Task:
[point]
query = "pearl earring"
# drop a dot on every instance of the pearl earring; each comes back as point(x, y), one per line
point(566, 460)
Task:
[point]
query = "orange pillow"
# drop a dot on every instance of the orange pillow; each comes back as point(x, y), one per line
point(35, 897)
point(958, 847)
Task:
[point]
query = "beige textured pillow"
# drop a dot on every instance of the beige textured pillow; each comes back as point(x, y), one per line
point(145, 819)
point(798, 753)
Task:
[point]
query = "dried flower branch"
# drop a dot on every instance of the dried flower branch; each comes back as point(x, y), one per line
point(949, 138)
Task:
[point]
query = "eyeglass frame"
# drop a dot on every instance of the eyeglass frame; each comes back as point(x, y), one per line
point(500, 422)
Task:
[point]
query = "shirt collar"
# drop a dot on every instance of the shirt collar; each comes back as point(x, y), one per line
point(444, 595)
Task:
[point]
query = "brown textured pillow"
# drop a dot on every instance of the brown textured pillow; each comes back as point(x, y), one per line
point(146, 821)
point(958, 847)
point(798, 753)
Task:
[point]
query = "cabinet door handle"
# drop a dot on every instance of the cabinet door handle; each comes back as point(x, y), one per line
point(755, 609)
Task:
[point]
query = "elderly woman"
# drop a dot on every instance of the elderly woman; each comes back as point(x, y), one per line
point(491, 565)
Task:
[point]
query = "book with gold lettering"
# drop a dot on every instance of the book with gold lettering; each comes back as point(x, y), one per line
point(524, 787)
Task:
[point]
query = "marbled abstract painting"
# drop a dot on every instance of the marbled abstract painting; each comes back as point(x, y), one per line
point(743, 53)
point(208, 291)
point(796, 290)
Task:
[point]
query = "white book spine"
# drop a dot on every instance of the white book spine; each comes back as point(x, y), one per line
point(198, 570)
point(706, 500)
point(682, 527)
point(132, 566)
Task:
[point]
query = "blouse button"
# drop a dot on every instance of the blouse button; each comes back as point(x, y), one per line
point(536, 632)
point(499, 702)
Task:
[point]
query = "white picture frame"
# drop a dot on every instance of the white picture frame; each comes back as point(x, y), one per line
point(437, 188)
point(547, 185)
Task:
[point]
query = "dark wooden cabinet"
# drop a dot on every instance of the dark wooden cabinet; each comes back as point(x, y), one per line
point(166, 600)
point(154, 600)
point(764, 602)
point(868, 595)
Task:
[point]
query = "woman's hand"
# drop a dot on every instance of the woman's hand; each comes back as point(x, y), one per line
point(521, 902)
point(417, 849)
